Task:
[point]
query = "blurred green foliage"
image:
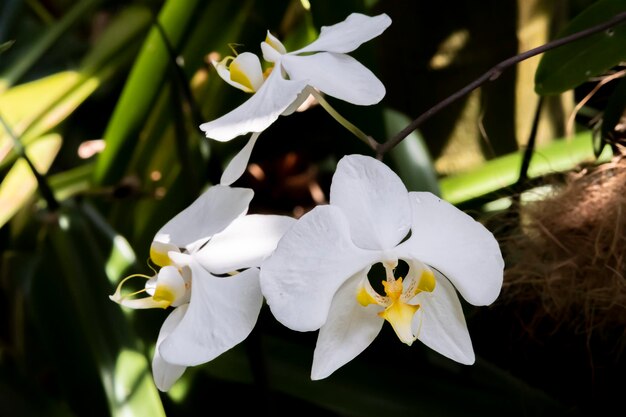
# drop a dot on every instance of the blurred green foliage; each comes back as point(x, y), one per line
point(106, 97)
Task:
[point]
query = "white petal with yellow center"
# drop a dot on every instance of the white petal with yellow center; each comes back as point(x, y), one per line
point(170, 286)
point(312, 279)
point(245, 70)
point(398, 302)
point(159, 253)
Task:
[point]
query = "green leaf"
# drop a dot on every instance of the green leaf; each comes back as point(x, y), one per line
point(22, 104)
point(76, 243)
point(412, 161)
point(499, 173)
point(570, 65)
point(71, 182)
point(34, 108)
point(37, 49)
point(20, 183)
point(142, 89)
point(130, 23)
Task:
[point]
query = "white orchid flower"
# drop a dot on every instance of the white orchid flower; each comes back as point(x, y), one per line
point(322, 65)
point(208, 256)
point(317, 278)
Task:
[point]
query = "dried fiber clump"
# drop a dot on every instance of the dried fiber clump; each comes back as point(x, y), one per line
point(566, 259)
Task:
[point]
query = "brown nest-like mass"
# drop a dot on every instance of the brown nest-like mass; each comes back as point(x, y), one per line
point(567, 256)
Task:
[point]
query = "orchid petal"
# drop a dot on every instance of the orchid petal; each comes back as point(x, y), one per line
point(302, 97)
point(237, 166)
point(245, 243)
point(181, 259)
point(350, 329)
point(222, 70)
point(337, 75)
point(170, 286)
point(272, 48)
point(312, 260)
point(270, 54)
point(459, 247)
point(440, 323)
point(348, 35)
point(159, 252)
point(374, 199)
point(245, 68)
point(221, 314)
point(208, 214)
point(165, 374)
point(246, 71)
point(259, 112)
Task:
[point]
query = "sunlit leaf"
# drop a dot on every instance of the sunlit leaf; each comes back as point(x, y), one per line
point(499, 173)
point(71, 182)
point(20, 183)
point(38, 106)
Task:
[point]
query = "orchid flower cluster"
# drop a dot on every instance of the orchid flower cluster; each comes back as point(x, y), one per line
point(216, 264)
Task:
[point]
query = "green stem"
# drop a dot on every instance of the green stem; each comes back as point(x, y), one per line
point(44, 187)
point(368, 140)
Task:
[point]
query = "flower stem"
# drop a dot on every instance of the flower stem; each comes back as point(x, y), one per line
point(368, 140)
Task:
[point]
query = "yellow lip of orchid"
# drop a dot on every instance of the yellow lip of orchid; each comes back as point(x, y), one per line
point(398, 310)
point(159, 253)
point(137, 303)
point(243, 71)
point(168, 288)
point(238, 74)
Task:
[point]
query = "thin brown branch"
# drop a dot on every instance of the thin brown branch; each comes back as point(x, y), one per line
point(492, 75)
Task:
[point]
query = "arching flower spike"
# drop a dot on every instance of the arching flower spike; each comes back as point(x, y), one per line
point(318, 276)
